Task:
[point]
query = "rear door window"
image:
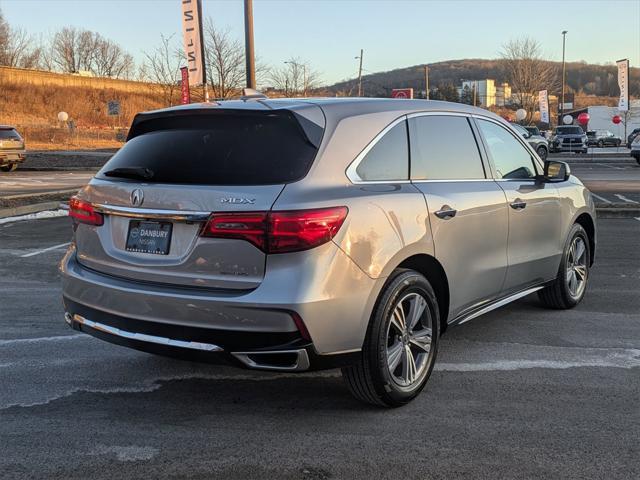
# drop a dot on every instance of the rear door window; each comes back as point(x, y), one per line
point(388, 159)
point(444, 148)
point(245, 148)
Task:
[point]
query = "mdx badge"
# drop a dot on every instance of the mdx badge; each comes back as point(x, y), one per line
point(238, 200)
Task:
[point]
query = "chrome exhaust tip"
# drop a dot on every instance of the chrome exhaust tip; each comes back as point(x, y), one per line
point(281, 360)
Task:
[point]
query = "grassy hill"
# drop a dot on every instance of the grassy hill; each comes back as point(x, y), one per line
point(582, 78)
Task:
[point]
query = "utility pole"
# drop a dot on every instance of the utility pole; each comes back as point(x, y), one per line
point(475, 89)
point(248, 44)
point(360, 73)
point(426, 81)
point(564, 37)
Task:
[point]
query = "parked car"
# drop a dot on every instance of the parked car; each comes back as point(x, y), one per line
point(569, 138)
point(632, 136)
point(295, 235)
point(635, 149)
point(12, 148)
point(537, 142)
point(602, 138)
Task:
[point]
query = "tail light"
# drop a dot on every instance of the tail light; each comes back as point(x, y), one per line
point(279, 232)
point(83, 212)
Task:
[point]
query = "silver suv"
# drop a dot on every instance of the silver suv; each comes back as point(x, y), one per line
point(295, 235)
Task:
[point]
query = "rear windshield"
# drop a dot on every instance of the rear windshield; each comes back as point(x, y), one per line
point(218, 149)
point(568, 131)
point(6, 134)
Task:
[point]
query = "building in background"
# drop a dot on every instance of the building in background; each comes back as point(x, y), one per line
point(503, 95)
point(600, 118)
point(488, 94)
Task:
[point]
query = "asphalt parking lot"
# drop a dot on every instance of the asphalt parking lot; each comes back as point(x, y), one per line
point(522, 392)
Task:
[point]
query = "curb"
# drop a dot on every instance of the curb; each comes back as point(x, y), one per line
point(58, 169)
point(618, 212)
point(27, 209)
point(21, 196)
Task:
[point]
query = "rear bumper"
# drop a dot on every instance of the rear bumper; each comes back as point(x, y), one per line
point(8, 157)
point(287, 354)
point(331, 295)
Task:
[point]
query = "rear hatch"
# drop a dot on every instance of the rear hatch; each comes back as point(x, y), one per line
point(177, 169)
point(10, 139)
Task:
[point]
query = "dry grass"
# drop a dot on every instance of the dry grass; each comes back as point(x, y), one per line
point(34, 109)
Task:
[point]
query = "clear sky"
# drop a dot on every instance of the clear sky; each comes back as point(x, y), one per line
point(330, 33)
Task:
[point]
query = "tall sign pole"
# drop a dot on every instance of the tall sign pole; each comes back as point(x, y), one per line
point(426, 81)
point(248, 44)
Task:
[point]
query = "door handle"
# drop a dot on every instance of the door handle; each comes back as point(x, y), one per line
point(446, 212)
point(518, 204)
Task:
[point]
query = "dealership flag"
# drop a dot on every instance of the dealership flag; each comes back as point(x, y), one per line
point(543, 100)
point(623, 83)
point(192, 39)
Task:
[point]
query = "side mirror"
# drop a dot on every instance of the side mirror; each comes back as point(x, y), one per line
point(526, 134)
point(555, 171)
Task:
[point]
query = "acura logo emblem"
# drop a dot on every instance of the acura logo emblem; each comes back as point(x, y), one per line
point(137, 197)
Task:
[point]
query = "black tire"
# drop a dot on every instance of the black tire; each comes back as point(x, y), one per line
point(542, 152)
point(600, 143)
point(9, 168)
point(370, 380)
point(558, 294)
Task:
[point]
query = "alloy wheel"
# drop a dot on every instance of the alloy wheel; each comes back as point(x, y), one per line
point(577, 270)
point(409, 337)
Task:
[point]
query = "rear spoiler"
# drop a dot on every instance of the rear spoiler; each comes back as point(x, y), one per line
point(155, 120)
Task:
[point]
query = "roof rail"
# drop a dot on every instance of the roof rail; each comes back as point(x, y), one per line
point(252, 94)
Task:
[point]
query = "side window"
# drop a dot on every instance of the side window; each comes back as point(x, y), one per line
point(511, 159)
point(388, 159)
point(443, 148)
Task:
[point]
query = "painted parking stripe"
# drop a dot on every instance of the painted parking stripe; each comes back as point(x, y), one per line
point(624, 199)
point(38, 252)
point(600, 198)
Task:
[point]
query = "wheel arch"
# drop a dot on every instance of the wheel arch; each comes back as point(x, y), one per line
point(586, 221)
point(434, 272)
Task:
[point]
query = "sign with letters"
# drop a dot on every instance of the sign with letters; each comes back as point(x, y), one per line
point(543, 101)
point(623, 83)
point(193, 41)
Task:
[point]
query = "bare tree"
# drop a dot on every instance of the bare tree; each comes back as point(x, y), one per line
point(225, 62)
point(162, 67)
point(72, 49)
point(294, 78)
point(527, 72)
point(17, 48)
point(110, 60)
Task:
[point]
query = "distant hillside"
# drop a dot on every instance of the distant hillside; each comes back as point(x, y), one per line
point(588, 79)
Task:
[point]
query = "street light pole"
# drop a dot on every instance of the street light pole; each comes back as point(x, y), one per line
point(564, 36)
point(248, 44)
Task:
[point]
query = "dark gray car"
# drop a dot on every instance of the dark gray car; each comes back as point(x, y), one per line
point(300, 234)
point(569, 138)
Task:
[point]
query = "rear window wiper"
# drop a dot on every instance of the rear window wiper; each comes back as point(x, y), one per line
point(141, 173)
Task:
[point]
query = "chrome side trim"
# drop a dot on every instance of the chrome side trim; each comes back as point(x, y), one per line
point(141, 337)
point(498, 304)
point(177, 215)
point(301, 363)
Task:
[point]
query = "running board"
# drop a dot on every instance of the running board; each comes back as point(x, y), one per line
point(498, 304)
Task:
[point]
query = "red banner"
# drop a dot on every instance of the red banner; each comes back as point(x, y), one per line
point(186, 95)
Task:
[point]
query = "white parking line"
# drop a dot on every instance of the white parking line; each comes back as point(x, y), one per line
point(625, 199)
point(600, 198)
point(43, 339)
point(38, 252)
point(610, 166)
